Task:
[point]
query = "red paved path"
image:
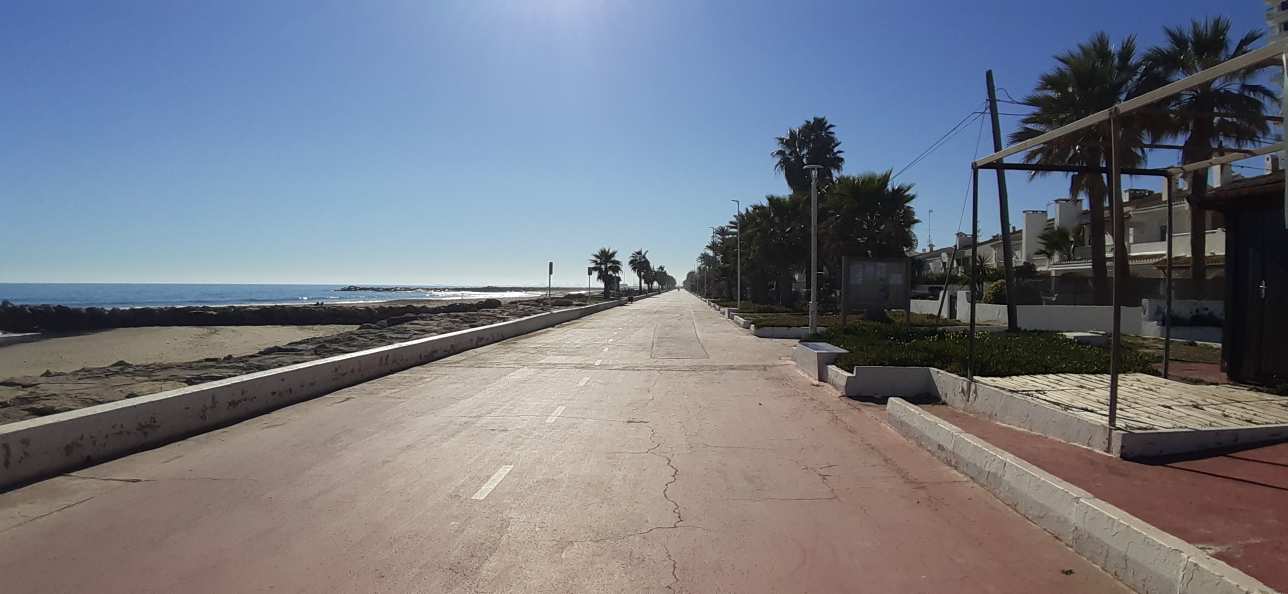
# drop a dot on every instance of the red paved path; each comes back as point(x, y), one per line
point(1235, 506)
point(650, 448)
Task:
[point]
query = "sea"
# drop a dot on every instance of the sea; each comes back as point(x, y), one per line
point(109, 295)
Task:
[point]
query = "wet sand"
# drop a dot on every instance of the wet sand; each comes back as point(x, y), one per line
point(148, 345)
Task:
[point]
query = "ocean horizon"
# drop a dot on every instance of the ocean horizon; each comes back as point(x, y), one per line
point(123, 295)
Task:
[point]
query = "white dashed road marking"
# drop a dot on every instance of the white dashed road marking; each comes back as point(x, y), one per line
point(583, 381)
point(492, 482)
point(598, 361)
point(555, 415)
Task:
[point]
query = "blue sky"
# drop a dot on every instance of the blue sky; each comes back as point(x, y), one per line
point(470, 142)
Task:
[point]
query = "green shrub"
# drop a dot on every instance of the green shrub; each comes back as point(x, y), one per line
point(1026, 293)
point(996, 354)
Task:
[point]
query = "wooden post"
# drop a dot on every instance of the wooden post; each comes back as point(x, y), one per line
point(1008, 258)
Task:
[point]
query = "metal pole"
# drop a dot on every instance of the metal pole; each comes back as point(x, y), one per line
point(974, 270)
point(1008, 257)
point(738, 219)
point(1168, 186)
point(813, 248)
point(845, 283)
point(1120, 263)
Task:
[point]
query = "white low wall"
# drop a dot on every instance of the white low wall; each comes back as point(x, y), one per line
point(39, 448)
point(985, 313)
point(1196, 333)
point(1097, 318)
point(1056, 318)
point(928, 307)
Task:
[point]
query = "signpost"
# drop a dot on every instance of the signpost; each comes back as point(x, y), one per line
point(589, 271)
point(550, 273)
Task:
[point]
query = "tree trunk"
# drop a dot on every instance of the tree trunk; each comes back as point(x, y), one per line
point(1198, 235)
point(1099, 270)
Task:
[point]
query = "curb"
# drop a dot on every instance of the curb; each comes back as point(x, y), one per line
point(1144, 558)
point(39, 448)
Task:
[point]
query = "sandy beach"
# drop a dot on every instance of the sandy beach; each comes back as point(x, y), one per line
point(148, 345)
point(121, 363)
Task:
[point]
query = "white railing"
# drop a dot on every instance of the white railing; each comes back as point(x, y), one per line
point(1214, 243)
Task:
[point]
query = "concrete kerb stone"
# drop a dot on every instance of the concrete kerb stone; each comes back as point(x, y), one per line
point(1143, 557)
point(39, 448)
point(1137, 445)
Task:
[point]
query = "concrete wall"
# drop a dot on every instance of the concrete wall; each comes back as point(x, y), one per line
point(1058, 318)
point(1196, 333)
point(39, 448)
point(928, 307)
point(985, 313)
point(1098, 318)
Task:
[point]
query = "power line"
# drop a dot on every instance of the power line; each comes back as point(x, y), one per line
point(939, 142)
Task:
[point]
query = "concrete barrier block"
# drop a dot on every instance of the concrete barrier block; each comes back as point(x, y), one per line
point(980, 461)
point(840, 379)
point(1143, 557)
point(930, 432)
point(1041, 497)
point(1204, 574)
point(885, 381)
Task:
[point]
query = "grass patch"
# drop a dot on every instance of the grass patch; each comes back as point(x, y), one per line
point(996, 354)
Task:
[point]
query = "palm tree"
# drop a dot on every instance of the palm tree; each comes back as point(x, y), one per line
point(1230, 109)
point(638, 263)
point(606, 266)
point(1093, 77)
point(866, 217)
point(814, 143)
point(1056, 242)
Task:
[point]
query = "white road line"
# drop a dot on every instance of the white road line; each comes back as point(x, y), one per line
point(492, 482)
point(605, 349)
point(598, 361)
point(555, 415)
point(583, 381)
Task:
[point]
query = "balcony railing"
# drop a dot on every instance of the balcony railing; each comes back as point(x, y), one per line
point(1214, 243)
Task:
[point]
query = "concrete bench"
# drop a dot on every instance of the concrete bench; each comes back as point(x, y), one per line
point(814, 357)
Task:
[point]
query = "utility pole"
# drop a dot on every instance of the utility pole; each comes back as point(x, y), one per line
point(738, 220)
point(1003, 208)
point(813, 247)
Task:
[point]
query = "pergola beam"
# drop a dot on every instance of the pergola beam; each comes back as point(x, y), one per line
point(1230, 158)
point(1074, 169)
point(1272, 51)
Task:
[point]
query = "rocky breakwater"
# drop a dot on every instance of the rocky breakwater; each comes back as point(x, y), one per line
point(49, 393)
point(59, 318)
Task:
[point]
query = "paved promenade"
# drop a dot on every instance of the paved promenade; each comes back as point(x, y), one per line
point(650, 448)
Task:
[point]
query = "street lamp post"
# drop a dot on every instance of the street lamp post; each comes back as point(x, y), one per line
point(738, 219)
point(813, 247)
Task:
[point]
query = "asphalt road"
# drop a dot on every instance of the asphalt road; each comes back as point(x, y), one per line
point(653, 447)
